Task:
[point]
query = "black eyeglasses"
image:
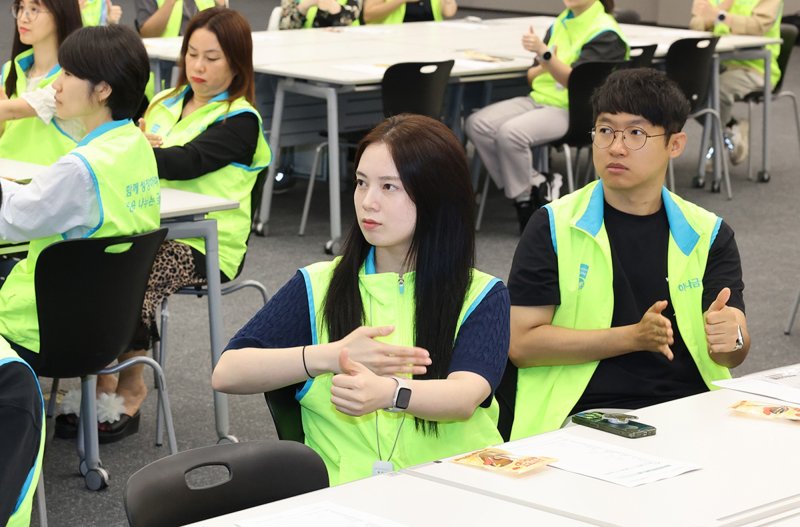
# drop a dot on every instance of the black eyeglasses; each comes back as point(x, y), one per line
point(633, 137)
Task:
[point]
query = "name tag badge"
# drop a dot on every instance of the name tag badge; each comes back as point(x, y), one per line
point(382, 467)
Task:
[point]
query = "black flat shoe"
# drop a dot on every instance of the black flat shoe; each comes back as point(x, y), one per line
point(125, 426)
point(66, 426)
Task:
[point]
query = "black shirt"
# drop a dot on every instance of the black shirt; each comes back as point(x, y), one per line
point(639, 259)
point(21, 424)
point(418, 11)
point(233, 140)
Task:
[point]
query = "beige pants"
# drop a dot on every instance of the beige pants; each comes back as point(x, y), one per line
point(504, 133)
point(735, 83)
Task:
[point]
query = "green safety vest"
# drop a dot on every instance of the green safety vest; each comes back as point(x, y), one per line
point(569, 33)
point(94, 13)
point(21, 515)
point(745, 8)
point(546, 394)
point(347, 444)
point(398, 15)
point(125, 175)
point(311, 14)
point(29, 139)
point(173, 28)
point(234, 181)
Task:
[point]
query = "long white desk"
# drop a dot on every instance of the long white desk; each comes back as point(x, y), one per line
point(748, 478)
point(326, 65)
point(749, 470)
point(184, 214)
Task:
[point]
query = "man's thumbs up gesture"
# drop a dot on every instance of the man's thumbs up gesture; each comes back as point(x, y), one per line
point(723, 326)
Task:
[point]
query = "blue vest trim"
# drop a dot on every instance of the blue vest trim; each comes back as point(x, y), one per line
point(25, 62)
point(233, 114)
point(369, 263)
point(313, 321)
point(100, 130)
point(172, 101)
point(684, 235)
point(220, 97)
point(715, 231)
point(551, 215)
point(55, 70)
point(258, 168)
point(480, 298)
point(96, 193)
point(592, 219)
point(29, 479)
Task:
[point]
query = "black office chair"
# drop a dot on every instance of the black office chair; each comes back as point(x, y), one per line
point(689, 63)
point(228, 287)
point(407, 87)
point(642, 56)
point(583, 80)
point(285, 412)
point(789, 37)
point(89, 296)
point(165, 493)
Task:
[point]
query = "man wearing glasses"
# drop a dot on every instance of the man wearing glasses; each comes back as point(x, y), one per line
point(623, 294)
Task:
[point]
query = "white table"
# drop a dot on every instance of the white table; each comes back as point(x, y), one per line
point(749, 470)
point(184, 213)
point(325, 65)
point(402, 499)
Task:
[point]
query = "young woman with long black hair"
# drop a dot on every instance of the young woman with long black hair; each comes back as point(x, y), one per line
point(401, 341)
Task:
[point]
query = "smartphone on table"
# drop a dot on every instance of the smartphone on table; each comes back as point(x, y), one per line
point(618, 424)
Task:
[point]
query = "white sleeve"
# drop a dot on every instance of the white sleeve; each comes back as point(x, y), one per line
point(63, 199)
point(43, 102)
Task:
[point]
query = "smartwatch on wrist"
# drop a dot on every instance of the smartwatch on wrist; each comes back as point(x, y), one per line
point(402, 396)
point(547, 55)
point(739, 339)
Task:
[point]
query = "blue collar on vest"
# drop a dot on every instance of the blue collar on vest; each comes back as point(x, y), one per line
point(172, 101)
point(369, 263)
point(103, 128)
point(25, 62)
point(682, 232)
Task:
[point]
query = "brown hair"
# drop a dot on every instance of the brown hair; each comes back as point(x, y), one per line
point(233, 33)
point(608, 5)
point(67, 17)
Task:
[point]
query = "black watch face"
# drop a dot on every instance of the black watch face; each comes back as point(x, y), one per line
point(403, 398)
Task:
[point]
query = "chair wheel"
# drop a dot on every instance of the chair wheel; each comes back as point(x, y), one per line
point(332, 247)
point(698, 182)
point(763, 177)
point(96, 479)
point(260, 229)
point(227, 439)
point(83, 468)
point(716, 187)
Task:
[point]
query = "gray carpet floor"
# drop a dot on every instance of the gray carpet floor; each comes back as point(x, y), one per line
point(764, 217)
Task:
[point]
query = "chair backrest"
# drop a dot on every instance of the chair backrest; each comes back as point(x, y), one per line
point(274, 22)
point(789, 37)
point(285, 411)
point(583, 80)
point(415, 87)
point(688, 63)
point(258, 472)
point(89, 296)
point(627, 16)
point(642, 56)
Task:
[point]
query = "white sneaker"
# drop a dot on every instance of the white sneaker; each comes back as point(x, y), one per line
point(740, 132)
